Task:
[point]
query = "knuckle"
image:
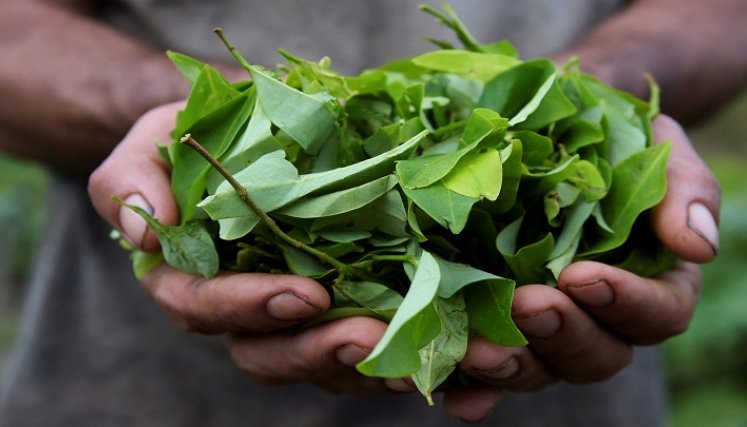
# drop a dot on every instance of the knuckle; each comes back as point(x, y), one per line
point(262, 371)
point(98, 188)
point(95, 181)
point(175, 314)
point(249, 368)
point(675, 327)
point(603, 368)
point(173, 301)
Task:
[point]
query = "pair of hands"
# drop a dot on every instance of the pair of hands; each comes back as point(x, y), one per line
point(583, 331)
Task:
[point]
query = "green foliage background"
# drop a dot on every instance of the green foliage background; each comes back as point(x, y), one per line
point(22, 188)
point(707, 365)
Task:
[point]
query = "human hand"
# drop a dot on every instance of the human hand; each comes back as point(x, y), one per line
point(585, 330)
point(254, 311)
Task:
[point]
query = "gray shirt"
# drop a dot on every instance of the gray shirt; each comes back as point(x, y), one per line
point(95, 351)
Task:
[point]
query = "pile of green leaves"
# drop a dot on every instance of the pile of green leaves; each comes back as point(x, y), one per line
point(421, 192)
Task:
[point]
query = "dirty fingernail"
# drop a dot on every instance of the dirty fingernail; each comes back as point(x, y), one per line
point(133, 225)
point(351, 354)
point(289, 306)
point(398, 384)
point(701, 221)
point(506, 370)
point(539, 325)
point(596, 294)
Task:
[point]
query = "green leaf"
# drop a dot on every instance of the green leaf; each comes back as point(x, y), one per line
point(371, 295)
point(301, 263)
point(144, 262)
point(188, 66)
point(340, 201)
point(552, 208)
point(210, 91)
point(215, 132)
point(186, 247)
point(489, 310)
point(512, 169)
point(256, 140)
point(449, 209)
point(477, 175)
point(305, 118)
point(472, 65)
point(268, 182)
point(564, 259)
point(455, 276)
point(527, 263)
point(589, 180)
point(577, 216)
point(638, 183)
point(553, 107)
point(542, 182)
point(569, 238)
point(625, 135)
point(440, 357)
point(422, 172)
point(518, 92)
point(386, 214)
point(341, 236)
point(581, 134)
point(414, 325)
point(462, 92)
point(482, 122)
point(537, 148)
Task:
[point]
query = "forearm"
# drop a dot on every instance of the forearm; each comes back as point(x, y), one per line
point(71, 86)
point(694, 49)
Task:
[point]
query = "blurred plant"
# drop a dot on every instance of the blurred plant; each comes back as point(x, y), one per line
point(22, 188)
point(707, 365)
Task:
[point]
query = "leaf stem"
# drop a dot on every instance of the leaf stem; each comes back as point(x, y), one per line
point(341, 267)
point(222, 36)
point(410, 259)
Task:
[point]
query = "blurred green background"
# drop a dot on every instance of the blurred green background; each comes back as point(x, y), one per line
point(707, 365)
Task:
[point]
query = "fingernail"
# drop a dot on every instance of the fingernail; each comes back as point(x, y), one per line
point(506, 370)
point(398, 384)
point(596, 294)
point(351, 354)
point(289, 306)
point(701, 221)
point(133, 225)
point(539, 325)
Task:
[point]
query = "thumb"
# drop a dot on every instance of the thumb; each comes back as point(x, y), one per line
point(687, 219)
point(136, 173)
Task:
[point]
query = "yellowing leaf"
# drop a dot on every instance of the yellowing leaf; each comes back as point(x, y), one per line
point(477, 175)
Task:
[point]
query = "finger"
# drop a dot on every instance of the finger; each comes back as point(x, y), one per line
point(687, 219)
point(136, 173)
point(565, 338)
point(244, 302)
point(511, 368)
point(472, 404)
point(643, 310)
point(324, 355)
